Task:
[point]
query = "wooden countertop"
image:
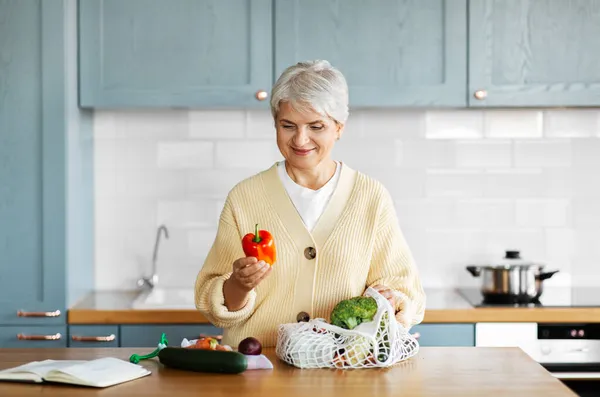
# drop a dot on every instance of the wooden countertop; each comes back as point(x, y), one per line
point(443, 306)
point(434, 371)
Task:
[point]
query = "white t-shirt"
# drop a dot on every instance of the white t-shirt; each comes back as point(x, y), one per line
point(309, 203)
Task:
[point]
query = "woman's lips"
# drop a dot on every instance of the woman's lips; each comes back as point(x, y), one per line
point(302, 152)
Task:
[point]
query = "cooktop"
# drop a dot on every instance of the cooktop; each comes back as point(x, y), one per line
point(551, 297)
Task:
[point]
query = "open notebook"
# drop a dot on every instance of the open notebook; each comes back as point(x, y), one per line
point(101, 372)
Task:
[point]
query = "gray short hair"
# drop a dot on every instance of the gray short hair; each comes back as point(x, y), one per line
point(313, 83)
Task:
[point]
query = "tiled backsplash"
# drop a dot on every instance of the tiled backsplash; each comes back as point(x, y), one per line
point(468, 184)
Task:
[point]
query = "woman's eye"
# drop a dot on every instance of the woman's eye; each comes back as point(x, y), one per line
point(288, 127)
point(316, 127)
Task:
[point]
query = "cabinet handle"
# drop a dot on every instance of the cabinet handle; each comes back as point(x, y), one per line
point(108, 338)
point(261, 95)
point(39, 337)
point(55, 313)
point(416, 335)
point(480, 94)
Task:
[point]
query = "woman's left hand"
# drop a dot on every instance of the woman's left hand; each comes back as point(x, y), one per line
point(387, 293)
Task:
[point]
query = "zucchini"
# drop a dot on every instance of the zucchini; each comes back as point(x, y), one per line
point(201, 360)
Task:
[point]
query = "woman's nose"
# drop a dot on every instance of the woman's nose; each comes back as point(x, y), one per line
point(300, 138)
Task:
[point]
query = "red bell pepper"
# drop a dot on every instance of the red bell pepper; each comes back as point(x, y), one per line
point(260, 245)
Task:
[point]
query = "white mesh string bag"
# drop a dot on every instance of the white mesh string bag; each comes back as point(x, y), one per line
point(318, 344)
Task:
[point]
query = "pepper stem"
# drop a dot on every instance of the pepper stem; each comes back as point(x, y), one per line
point(256, 236)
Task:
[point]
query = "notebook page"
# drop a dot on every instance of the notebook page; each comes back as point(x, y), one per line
point(102, 372)
point(36, 370)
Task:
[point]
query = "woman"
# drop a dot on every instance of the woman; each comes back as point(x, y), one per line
point(335, 229)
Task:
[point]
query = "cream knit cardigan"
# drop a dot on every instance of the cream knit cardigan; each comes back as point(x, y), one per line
point(358, 243)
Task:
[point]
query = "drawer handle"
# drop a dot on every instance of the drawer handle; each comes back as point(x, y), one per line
point(56, 336)
point(108, 338)
point(416, 335)
point(55, 313)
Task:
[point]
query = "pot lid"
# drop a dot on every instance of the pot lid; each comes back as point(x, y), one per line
point(512, 259)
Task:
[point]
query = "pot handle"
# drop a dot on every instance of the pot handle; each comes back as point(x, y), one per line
point(474, 270)
point(546, 275)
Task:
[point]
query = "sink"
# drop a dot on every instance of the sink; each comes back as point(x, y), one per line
point(166, 298)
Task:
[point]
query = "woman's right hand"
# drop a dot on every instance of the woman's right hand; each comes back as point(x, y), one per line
point(249, 272)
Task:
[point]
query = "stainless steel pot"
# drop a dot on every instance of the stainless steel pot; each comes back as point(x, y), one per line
point(511, 280)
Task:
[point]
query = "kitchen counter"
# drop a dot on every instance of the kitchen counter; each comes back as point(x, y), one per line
point(434, 371)
point(443, 306)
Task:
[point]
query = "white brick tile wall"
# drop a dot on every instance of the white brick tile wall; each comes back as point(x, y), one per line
point(260, 124)
point(586, 213)
point(467, 185)
point(586, 154)
point(135, 154)
point(366, 153)
point(488, 154)
point(514, 183)
point(185, 154)
point(425, 154)
point(485, 213)
point(104, 126)
point(151, 124)
point(430, 212)
point(571, 123)
point(186, 213)
point(453, 183)
point(215, 183)
point(560, 248)
point(401, 184)
point(513, 124)
point(550, 153)
point(391, 124)
point(200, 241)
point(542, 213)
point(217, 124)
point(455, 124)
point(246, 154)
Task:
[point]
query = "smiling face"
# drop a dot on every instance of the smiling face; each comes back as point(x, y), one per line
point(305, 139)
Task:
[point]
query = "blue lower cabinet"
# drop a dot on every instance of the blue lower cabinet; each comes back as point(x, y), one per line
point(149, 335)
point(445, 334)
point(24, 337)
point(93, 336)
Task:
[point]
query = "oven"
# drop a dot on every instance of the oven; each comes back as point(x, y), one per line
point(570, 352)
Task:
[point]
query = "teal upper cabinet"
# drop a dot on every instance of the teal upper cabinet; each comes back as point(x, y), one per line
point(392, 52)
point(534, 53)
point(175, 53)
point(32, 163)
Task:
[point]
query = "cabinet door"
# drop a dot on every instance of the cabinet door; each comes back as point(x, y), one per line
point(534, 53)
point(32, 166)
point(445, 334)
point(144, 335)
point(175, 53)
point(392, 52)
point(24, 337)
point(94, 336)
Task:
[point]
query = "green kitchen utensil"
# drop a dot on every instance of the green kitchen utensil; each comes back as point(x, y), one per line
point(136, 358)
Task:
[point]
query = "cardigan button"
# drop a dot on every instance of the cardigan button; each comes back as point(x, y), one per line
point(302, 317)
point(310, 253)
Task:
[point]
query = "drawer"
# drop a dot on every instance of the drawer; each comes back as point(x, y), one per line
point(93, 336)
point(445, 334)
point(148, 335)
point(33, 336)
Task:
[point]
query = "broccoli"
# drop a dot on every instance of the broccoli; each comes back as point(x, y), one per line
point(351, 312)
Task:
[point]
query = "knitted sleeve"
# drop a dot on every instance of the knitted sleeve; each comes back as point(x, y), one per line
point(393, 266)
point(217, 268)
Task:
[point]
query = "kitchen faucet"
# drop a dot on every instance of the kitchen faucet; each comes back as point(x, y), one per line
point(153, 280)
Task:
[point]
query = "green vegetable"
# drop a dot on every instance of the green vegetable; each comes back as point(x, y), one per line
point(349, 313)
point(201, 360)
